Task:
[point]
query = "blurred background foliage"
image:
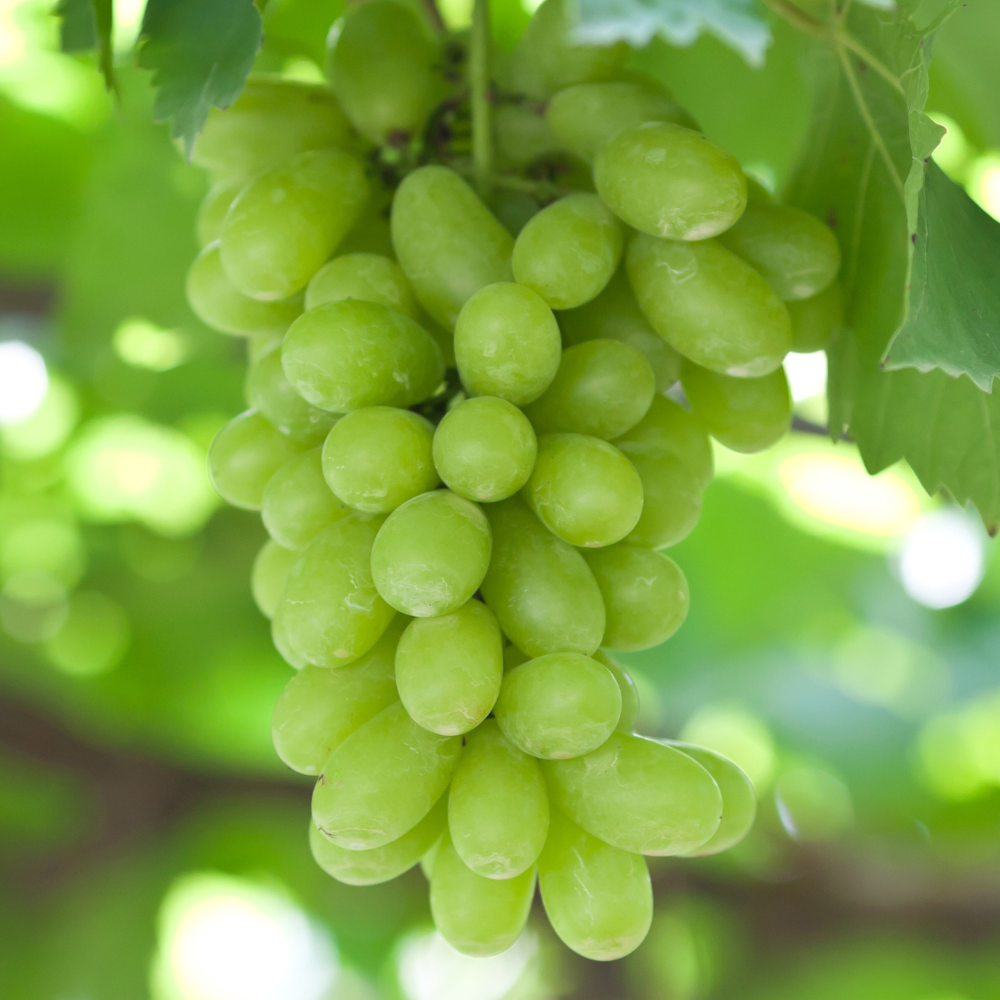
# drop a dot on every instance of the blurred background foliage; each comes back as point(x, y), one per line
point(842, 643)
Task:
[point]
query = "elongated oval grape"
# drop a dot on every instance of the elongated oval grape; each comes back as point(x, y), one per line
point(244, 456)
point(378, 457)
point(449, 669)
point(370, 277)
point(638, 795)
point(668, 429)
point(507, 343)
point(739, 800)
point(627, 689)
point(522, 134)
point(598, 898)
point(380, 864)
point(344, 355)
point(815, 320)
point(269, 392)
point(431, 554)
point(558, 706)
point(615, 314)
point(279, 638)
point(319, 707)
point(671, 501)
point(285, 224)
point(217, 303)
point(331, 613)
point(447, 241)
point(569, 250)
point(267, 580)
point(744, 414)
point(540, 588)
point(297, 502)
point(383, 70)
point(484, 449)
point(709, 305)
point(645, 595)
point(213, 208)
point(476, 915)
point(382, 780)
point(603, 388)
point(670, 181)
point(498, 808)
point(584, 490)
point(797, 255)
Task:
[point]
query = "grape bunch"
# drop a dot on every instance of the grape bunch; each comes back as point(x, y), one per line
point(461, 446)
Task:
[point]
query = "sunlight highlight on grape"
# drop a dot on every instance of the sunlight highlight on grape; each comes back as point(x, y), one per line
point(942, 560)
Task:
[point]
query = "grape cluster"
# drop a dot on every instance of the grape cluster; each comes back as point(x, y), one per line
point(461, 448)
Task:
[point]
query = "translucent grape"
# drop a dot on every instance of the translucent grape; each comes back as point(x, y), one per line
point(638, 795)
point(279, 638)
point(513, 209)
point(378, 457)
point(569, 250)
point(344, 355)
point(382, 780)
point(744, 414)
point(371, 232)
point(449, 669)
point(603, 388)
point(558, 706)
point(584, 489)
point(709, 305)
point(507, 343)
point(431, 554)
point(484, 449)
point(522, 134)
point(267, 580)
point(298, 504)
point(627, 689)
point(815, 320)
point(540, 588)
point(213, 208)
point(498, 808)
point(331, 613)
point(670, 181)
point(671, 504)
point(286, 223)
point(645, 595)
point(366, 276)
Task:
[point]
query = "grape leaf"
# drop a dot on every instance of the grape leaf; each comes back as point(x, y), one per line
point(680, 22)
point(200, 52)
point(86, 25)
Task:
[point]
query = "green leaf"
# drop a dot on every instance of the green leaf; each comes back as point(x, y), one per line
point(86, 25)
point(200, 52)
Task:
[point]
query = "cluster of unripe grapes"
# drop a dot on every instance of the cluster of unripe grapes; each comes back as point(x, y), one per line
point(461, 449)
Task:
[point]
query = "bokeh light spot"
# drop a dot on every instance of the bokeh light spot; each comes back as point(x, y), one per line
point(143, 344)
point(736, 733)
point(92, 639)
point(24, 381)
point(806, 374)
point(813, 804)
point(942, 560)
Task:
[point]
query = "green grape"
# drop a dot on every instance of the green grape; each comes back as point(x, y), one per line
point(257, 346)
point(382, 780)
point(603, 388)
point(344, 355)
point(378, 457)
point(449, 669)
point(645, 595)
point(382, 65)
point(744, 414)
point(739, 800)
point(569, 251)
point(670, 181)
point(616, 315)
point(267, 580)
point(370, 277)
point(297, 502)
point(638, 795)
point(269, 392)
point(588, 116)
point(709, 305)
point(447, 241)
point(273, 120)
point(320, 707)
point(757, 194)
point(213, 208)
point(668, 429)
point(217, 303)
point(280, 640)
point(627, 689)
point(513, 657)
point(380, 864)
point(671, 501)
point(431, 554)
point(559, 705)
point(507, 343)
point(541, 590)
point(522, 135)
point(584, 490)
point(484, 449)
point(513, 208)
point(498, 808)
point(287, 222)
point(797, 255)
point(331, 613)
point(476, 915)
point(371, 232)
point(815, 320)
point(244, 456)
point(598, 898)
point(427, 861)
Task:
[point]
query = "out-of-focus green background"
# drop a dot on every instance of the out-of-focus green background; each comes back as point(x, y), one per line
point(843, 641)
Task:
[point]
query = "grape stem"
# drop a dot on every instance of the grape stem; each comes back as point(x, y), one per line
point(479, 84)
